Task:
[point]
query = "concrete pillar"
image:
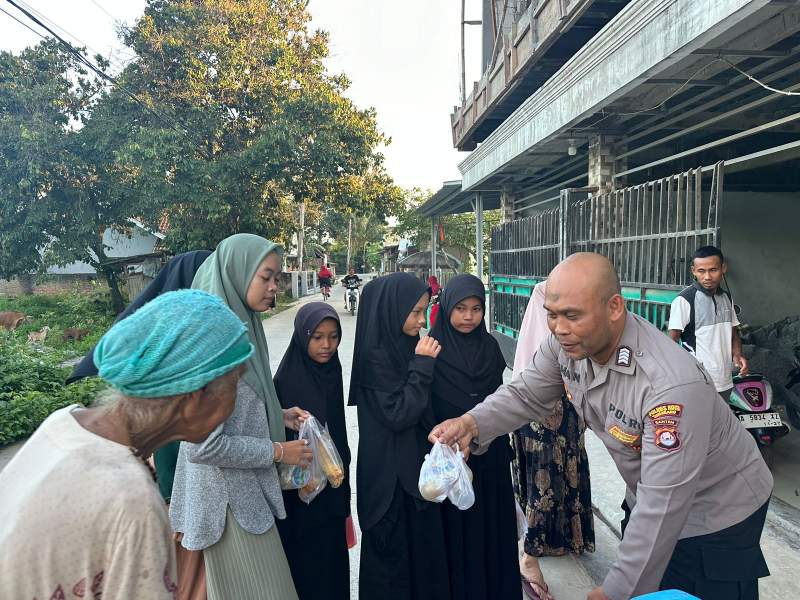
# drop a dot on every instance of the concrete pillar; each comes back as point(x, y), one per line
point(479, 236)
point(507, 198)
point(603, 150)
point(434, 246)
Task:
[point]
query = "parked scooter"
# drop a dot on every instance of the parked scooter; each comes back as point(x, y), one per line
point(751, 401)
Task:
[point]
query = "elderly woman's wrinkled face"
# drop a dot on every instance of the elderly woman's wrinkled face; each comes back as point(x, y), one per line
point(264, 285)
point(206, 409)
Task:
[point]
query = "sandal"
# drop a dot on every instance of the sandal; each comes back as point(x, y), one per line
point(534, 590)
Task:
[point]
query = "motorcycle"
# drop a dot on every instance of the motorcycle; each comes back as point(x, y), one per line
point(352, 297)
point(751, 402)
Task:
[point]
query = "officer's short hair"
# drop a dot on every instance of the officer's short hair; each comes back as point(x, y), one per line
point(707, 252)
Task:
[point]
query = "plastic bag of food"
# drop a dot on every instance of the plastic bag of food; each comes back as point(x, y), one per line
point(325, 452)
point(315, 484)
point(461, 493)
point(317, 480)
point(293, 477)
point(438, 473)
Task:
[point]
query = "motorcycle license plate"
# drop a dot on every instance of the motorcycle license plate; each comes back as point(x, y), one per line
point(754, 421)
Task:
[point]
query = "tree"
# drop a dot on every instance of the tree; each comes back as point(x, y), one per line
point(262, 124)
point(43, 91)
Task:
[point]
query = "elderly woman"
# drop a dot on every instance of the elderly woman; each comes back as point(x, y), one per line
point(226, 495)
point(80, 513)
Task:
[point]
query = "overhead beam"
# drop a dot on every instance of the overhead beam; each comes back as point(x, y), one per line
point(739, 52)
point(695, 82)
point(716, 119)
point(716, 143)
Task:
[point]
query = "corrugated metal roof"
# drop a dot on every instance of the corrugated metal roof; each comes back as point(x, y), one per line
point(451, 200)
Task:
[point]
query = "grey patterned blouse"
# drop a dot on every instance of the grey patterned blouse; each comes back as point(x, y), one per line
point(233, 467)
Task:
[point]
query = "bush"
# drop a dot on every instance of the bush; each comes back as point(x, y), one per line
point(32, 378)
point(22, 412)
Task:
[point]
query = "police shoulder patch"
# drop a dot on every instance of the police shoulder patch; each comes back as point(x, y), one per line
point(624, 356)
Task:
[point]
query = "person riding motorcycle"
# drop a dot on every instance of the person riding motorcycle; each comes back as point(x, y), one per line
point(348, 281)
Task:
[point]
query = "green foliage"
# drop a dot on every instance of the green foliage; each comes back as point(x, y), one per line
point(459, 230)
point(32, 387)
point(244, 122)
point(266, 126)
point(41, 90)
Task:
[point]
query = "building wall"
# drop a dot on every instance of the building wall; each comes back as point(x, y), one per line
point(56, 284)
point(761, 242)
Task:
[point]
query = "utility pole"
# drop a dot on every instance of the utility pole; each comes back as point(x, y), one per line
point(349, 241)
point(463, 54)
point(301, 236)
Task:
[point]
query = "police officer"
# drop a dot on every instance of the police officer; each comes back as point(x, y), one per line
point(700, 486)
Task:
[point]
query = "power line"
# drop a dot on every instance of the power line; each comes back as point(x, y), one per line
point(112, 17)
point(25, 25)
point(46, 19)
point(83, 60)
point(756, 81)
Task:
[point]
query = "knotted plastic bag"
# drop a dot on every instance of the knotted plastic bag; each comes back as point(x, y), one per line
point(438, 473)
point(461, 493)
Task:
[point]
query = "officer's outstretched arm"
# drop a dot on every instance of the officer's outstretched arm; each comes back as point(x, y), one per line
point(531, 396)
point(675, 442)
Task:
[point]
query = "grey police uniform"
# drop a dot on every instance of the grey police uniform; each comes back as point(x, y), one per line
point(691, 466)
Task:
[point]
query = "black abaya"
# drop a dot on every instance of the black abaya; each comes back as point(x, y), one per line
point(402, 549)
point(481, 542)
point(313, 535)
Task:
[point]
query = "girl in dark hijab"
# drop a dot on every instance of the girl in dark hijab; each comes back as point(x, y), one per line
point(482, 540)
point(177, 274)
point(313, 535)
point(402, 547)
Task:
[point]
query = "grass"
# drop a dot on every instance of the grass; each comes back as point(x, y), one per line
point(91, 312)
point(32, 376)
point(282, 303)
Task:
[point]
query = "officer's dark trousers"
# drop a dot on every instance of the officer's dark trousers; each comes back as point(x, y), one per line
point(724, 565)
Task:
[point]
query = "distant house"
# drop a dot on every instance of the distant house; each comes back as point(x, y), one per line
point(138, 251)
point(140, 248)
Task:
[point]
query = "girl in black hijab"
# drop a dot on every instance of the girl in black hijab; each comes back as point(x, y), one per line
point(177, 274)
point(482, 540)
point(313, 535)
point(402, 547)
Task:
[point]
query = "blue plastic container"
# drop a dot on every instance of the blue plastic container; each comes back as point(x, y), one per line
point(667, 595)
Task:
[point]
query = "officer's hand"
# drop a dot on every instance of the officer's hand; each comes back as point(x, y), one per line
point(428, 346)
point(459, 431)
point(597, 594)
point(741, 362)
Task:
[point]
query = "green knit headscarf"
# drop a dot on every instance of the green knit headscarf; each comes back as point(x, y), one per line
point(228, 273)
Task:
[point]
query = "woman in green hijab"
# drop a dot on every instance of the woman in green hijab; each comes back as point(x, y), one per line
point(226, 495)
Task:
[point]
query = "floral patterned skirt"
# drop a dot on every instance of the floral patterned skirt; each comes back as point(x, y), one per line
point(551, 482)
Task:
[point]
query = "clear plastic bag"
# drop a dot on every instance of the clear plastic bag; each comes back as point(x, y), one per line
point(438, 473)
point(315, 484)
point(293, 477)
point(461, 493)
point(325, 452)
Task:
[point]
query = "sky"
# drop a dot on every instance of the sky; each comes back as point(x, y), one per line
point(402, 59)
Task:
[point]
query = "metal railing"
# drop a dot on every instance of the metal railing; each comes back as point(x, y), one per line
point(648, 231)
